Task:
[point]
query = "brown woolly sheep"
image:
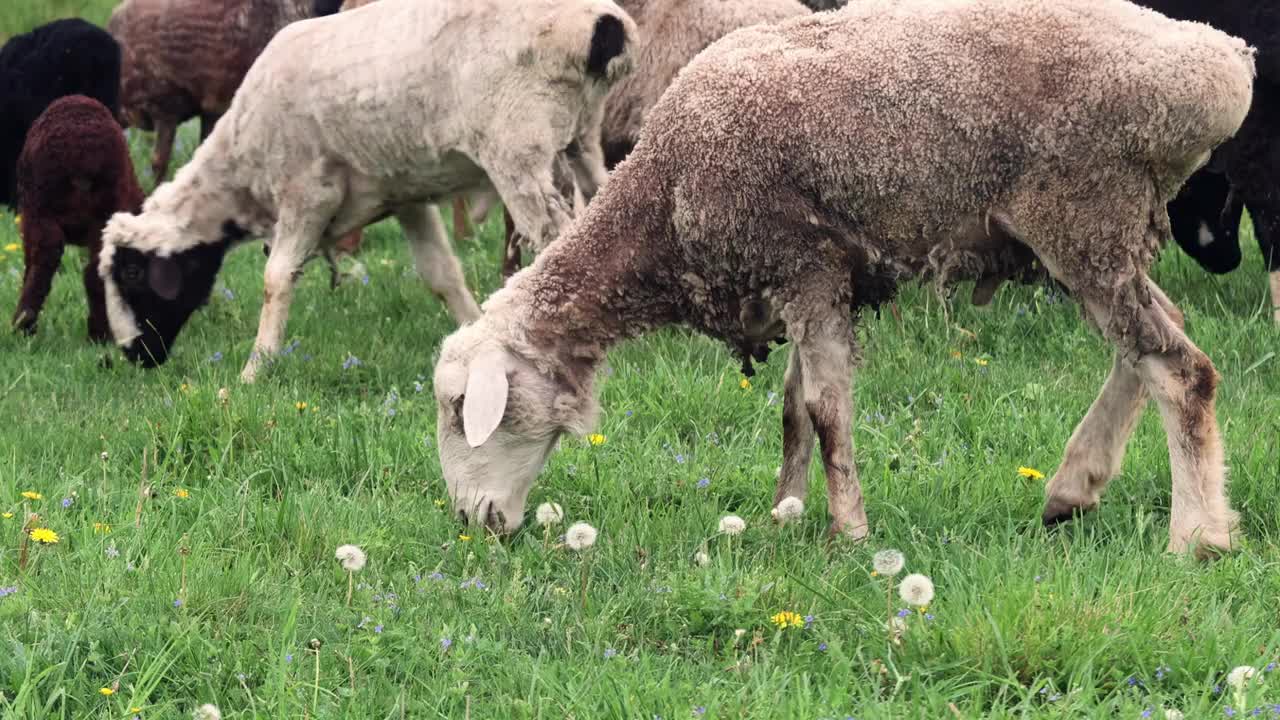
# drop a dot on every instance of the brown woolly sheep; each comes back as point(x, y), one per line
point(73, 173)
point(797, 172)
point(671, 33)
point(185, 59)
point(330, 132)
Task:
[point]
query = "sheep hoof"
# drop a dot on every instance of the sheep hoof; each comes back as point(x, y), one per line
point(1204, 544)
point(105, 362)
point(25, 322)
point(852, 532)
point(1059, 510)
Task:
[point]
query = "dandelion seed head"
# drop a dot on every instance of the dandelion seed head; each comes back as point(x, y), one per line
point(1172, 714)
point(208, 711)
point(1240, 675)
point(701, 558)
point(351, 557)
point(916, 589)
point(550, 513)
point(732, 525)
point(789, 509)
point(888, 562)
point(580, 536)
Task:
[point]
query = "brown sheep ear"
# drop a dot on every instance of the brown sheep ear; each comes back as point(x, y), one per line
point(165, 277)
point(486, 397)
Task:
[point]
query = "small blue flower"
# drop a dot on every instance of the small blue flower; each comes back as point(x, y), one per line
point(226, 293)
point(1270, 666)
point(6, 591)
point(378, 628)
point(1146, 713)
point(928, 616)
point(445, 643)
point(1229, 712)
point(216, 357)
point(808, 620)
point(904, 613)
point(772, 398)
point(417, 386)
point(288, 657)
point(1055, 697)
point(679, 459)
point(177, 603)
point(822, 647)
point(66, 502)
point(700, 711)
point(609, 652)
point(629, 413)
point(364, 280)
point(703, 483)
point(350, 362)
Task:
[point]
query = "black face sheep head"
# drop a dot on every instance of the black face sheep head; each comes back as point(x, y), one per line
point(1205, 219)
point(155, 278)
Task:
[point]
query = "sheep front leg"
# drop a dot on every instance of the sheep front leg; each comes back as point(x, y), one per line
point(586, 158)
point(797, 435)
point(529, 192)
point(435, 261)
point(825, 347)
point(42, 244)
point(165, 130)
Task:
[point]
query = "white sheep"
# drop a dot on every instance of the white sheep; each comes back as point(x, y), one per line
point(331, 131)
point(797, 172)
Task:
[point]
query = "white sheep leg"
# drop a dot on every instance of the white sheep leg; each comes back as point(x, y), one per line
point(825, 346)
point(1096, 448)
point(588, 163)
point(435, 261)
point(797, 436)
point(283, 267)
point(529, 192)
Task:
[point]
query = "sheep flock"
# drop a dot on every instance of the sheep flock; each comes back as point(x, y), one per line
point(758, 172)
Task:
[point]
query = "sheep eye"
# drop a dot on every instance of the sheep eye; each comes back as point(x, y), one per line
point(131, 275)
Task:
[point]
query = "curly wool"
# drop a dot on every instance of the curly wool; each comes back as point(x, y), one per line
point(73, 174)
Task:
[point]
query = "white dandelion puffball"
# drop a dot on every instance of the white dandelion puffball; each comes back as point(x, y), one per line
point(208, 711)
point(351, 557)
point(789, 509)
point(916, 590)
point(1172, 714)
point(1237, 677)
point(888, 562)
point(580, 536)
point(550, 514)
point(732, 525)
point(701, 559)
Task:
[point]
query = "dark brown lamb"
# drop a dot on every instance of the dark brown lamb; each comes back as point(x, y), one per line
point(73, 174)
point(186, 58)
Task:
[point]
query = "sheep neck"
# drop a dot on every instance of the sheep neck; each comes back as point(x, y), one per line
point(203, 204)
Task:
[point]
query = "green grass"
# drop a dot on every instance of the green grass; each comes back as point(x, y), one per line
point(1026, 623)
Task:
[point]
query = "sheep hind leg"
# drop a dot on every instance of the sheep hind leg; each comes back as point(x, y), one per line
point(797, 436)
point(435, 261)
point(165, 131)
point(825, 347)
point(43, 244)
point(510, 248)
point(95, 295)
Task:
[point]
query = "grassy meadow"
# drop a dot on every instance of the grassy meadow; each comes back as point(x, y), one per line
point(220, 584)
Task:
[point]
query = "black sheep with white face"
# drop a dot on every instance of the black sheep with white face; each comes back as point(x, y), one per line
point(152, 290)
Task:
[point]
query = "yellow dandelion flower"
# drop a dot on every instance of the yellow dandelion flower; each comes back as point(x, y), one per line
point(184, 388)
point(745, 384)
point(32, 495)
point(786, 619)
point(441, 503)
point(17, 219)
point(44, 535)
point(107, 691)
point(182, 493)
point(1030, 473)
point(135, 710)
point(6, 516)
point(300, 405)
point(596, 439)
point(981, 361)
point(12, 247)
point(101, 528)
point(464, 538)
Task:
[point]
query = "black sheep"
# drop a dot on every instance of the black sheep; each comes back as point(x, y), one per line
point(1250, 162)
point(64, 57)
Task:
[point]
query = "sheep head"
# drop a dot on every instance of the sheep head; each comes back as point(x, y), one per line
point(498, 417)
point(155, 277)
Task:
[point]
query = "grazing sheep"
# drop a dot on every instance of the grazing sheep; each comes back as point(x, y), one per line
point(74, 172)
point(330, 132)
point(185, 59)
point(64, 57)
point(796, 172)
point(1251, 161)
point(671, 33)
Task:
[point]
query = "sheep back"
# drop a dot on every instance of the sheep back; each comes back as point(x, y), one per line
point(671, 33)
point(184, 57)
point(75, 166)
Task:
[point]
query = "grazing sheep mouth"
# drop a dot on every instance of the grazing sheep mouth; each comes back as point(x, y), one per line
point(486, 513)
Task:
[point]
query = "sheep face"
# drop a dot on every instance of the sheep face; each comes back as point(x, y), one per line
point(498, 418)
point(152, 289)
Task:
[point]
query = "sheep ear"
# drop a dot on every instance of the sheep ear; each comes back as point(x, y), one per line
point(165, 277)
point(486, 397)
